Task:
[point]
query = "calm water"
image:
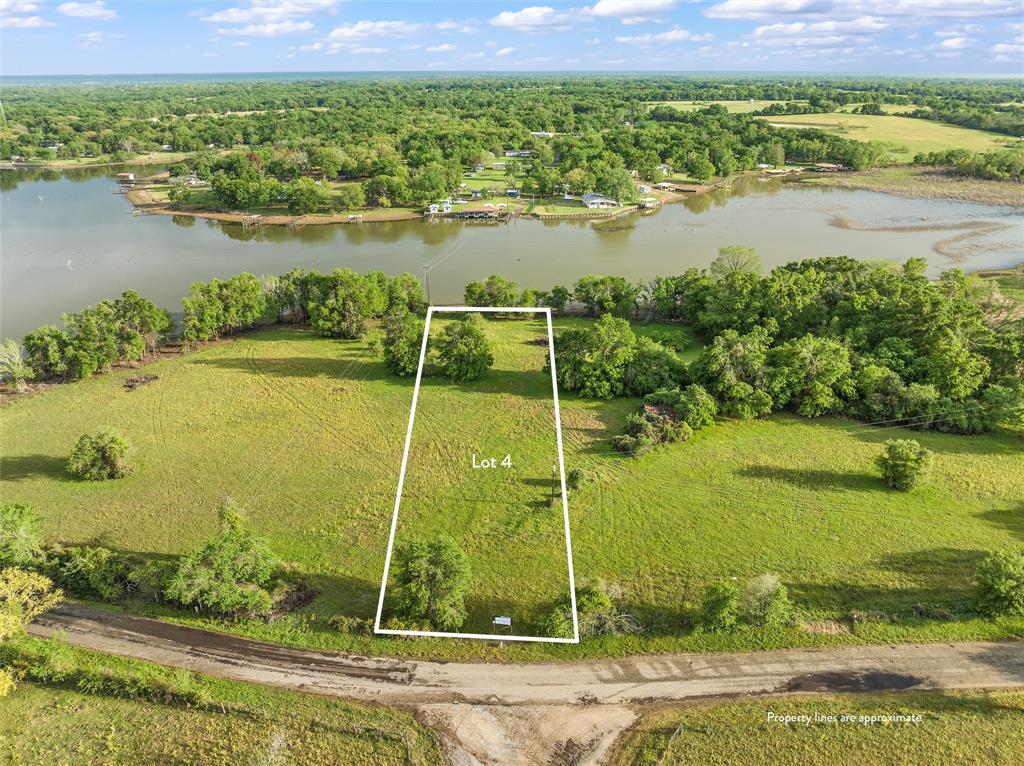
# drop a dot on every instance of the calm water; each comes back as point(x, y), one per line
point(67, 242)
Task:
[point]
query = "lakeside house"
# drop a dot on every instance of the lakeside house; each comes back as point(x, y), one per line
point(478, 212)
point(518, 152)
point(51, 144)
point(541, 133)
point(596, 201)
point(644, 189)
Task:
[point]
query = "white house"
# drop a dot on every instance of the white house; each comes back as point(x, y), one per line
point(598, 202)
point(518, 152)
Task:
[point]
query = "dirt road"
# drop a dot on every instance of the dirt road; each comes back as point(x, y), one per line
point(587, 702)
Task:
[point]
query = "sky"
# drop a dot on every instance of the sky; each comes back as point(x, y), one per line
point(889, 37)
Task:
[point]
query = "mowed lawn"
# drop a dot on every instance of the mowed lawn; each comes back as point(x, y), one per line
point(954, 729)
point(903, 136)
point(306, 434)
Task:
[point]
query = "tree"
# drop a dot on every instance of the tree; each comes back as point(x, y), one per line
point(766, 602)
point(733, 368)
point(345, 303)
point(735, 259)
point(462, 351)
point(99, 457)
point(232, 574)
point(493, 291)
point(46, 350)
point(402, 341)
point(19, 534)
point(594, 361)
point(903, 463)
point(606, 295)
point(14, 368)
point(557, 298)
point(431, 582)
point(700, 167)
point(24, 595)
point(999, 584)
point(653, 366)
point(720, 607)
point(815, 373)
point(305, 196)
point(350, 197)
point(617, 184)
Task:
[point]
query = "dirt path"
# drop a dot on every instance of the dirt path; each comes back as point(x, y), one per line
point(541, 713)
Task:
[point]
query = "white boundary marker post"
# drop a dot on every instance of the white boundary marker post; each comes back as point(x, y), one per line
point(405, 461)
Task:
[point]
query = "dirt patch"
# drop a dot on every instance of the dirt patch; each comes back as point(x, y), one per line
point(139, 380)
point(927, 183)
point(548, 735)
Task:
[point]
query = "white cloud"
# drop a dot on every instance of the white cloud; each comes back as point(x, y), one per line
point(465, 27)
point(96, 10)
point(89, 39)
point(504, 52)
point(348, 34)
point(364, 50)
point(239, 44)
point(956, 43)
point(477, 55)
point(676, 35)
point(210, 55)
point(24, 22)
point(267, 11)
point(865, 24)
point(1015, 48)
point(536, 18)
point(442, 48)
point(18, 6)
point(270, 29)
point(749, 10)
point(631, 11)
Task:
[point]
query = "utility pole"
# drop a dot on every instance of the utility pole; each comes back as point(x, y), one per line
point(426, 279)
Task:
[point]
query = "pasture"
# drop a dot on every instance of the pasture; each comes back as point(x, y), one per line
point(903, 136)
point(306, 434)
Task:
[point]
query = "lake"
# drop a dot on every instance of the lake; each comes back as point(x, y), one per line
point(66, 241)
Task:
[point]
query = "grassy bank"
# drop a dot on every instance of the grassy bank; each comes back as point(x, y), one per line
point(234, 723)
point(306, 434)
point(955, 729)
point(924, 182)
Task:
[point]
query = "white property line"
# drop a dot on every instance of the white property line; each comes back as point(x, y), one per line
point(561, 472)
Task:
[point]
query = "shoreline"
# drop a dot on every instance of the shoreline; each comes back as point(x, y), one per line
point(925, 182)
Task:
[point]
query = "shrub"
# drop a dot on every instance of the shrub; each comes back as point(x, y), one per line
point(100, 457)
point(88, 571)
point(19, 534)
point(651, 367)
point(596, 613)
point(46, 351)
point(646, 430)
point(463, 351)
point(720, 607)
point(232, 574)
point(432, 578)
point(1000, 584)
point(574, 479)
point(14, 368)
point(903, 464)
point(766, 602)
point(692, 405)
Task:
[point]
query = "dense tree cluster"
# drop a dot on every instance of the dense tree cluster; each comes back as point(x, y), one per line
point(998, 166)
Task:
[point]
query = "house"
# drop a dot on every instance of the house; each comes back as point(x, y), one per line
point(596, 201)
point(514, 193)
point(51, 144)
point(193, 180)
point(446, 206)
point(541, 133)
point(433, 208)
point(644, 189)
point(166, 147)
point(518, 152)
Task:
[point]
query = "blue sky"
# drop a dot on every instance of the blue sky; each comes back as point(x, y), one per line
point(919, 37)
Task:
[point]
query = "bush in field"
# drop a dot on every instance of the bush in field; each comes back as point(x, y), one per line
point(232, 574)
point(100, 456)
point(431, 581)
point(903, 464)
point(596, 613)
point(403, 338)
point(1000, 584)
point(720, 607)
point(766, 602)
point(646, 430)
point(574, 479)
point(594, 361)
point(462, 351)
point(19, 535)
point(692, 405)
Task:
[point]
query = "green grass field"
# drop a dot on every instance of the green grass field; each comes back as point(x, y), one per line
point(903, 136)
point(240, 724)
point(956, 729)
point(306, 434)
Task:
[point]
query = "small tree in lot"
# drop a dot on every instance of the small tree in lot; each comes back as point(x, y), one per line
point(463, 351)
point(903, 464)
point(100, 456)
point(1000, 584)
point(14, 368)
point(720, 608)
point(402, 340)
point(766, 602)
point(432, 578)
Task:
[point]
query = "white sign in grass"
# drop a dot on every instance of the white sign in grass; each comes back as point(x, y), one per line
point(401, 483)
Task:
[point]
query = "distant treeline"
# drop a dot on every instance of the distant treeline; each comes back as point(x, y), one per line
point(999, 166)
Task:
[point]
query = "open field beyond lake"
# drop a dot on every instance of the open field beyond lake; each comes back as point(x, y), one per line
point(903, 136)
point(306, 434)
